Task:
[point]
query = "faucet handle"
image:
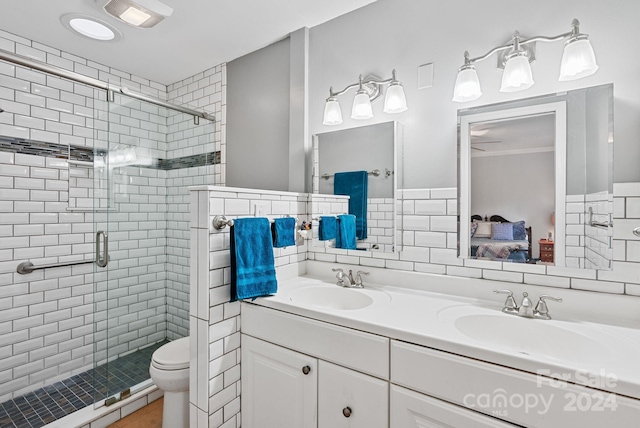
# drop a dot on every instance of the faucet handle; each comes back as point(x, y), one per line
point(359, 278)
point(542, 311)
point(510, 305)
point(339, 270)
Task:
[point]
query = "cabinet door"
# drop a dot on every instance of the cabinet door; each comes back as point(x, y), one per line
point(279, 386)
point(413, 410)
point(348, 399)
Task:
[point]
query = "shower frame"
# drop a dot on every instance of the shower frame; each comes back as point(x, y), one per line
point(110, 90)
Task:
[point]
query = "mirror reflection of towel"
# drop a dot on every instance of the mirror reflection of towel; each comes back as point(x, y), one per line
point(253, 272)
point(346, 237)
point(284, 232)
point(355, 185)
point(327, 228)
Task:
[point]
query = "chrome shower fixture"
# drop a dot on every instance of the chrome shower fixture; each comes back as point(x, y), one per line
point(578, 61)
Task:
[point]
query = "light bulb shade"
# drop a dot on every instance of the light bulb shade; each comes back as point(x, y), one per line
point(361, 107)
point(332, 112)
point(578, 60)
point(517, 74)
point(394, 99)
point(467, 85)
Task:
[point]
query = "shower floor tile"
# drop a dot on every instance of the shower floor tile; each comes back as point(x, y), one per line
point(45, 405)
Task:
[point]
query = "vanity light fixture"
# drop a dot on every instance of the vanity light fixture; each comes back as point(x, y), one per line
point(368, 90)
point(578, 61)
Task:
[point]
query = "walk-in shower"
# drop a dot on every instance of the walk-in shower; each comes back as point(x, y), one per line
point(93, 188)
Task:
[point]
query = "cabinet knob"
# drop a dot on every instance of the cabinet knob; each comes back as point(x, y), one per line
point(306, 370)
point(346, 412)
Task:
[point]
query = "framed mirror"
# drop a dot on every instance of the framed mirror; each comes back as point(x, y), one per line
point(370, 154)
point(536, 178)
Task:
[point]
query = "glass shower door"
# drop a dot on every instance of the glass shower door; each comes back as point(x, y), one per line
point(130, 238)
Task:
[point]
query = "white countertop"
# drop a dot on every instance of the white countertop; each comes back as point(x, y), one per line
point(600, 355)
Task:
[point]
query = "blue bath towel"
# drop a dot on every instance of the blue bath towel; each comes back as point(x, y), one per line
point(253, 273)
point(283, 231)
point(328, 228)
point(346, 237)
point(355, 185)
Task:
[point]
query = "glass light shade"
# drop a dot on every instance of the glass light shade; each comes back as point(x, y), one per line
point(394, 99)
point(517, 74)
point(332, 112)
point(578, 60)
point(467, 86)
point(92, 29)
point(361, 107)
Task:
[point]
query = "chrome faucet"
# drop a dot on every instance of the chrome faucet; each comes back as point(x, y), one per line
point(347, 280)
point(541, 311)
point(526, 309)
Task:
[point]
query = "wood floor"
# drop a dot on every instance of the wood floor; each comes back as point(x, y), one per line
point(150, 416)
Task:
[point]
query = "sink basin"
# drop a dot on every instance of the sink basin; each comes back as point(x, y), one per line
point(331, 298)
point(536, 338)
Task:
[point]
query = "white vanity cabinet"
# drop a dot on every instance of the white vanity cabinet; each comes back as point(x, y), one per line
point(298, 373)
point(360, 379)
point(410, 409)
point(279, 386)
point(348, 399)
point(511, 395)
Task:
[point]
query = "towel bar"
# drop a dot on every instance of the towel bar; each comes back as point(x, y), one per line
point(376, 173)
point(220, 222)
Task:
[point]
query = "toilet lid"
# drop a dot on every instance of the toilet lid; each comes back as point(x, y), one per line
point(172, 356)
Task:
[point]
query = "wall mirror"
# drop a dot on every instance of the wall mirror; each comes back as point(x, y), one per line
point(536, 179)
point(374, 149)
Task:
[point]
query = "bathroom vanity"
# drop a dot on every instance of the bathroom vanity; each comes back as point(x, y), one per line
point(318, 355)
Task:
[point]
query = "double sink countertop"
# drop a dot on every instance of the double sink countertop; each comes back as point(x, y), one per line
point(601, 355)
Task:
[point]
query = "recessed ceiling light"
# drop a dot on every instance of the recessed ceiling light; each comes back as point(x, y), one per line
point(91, 27)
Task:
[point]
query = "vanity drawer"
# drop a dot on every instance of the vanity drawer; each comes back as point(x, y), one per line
point(410, 409)
point(355, 349)
point(504, 393)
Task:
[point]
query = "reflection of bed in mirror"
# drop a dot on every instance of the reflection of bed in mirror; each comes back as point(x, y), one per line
point(499, 239)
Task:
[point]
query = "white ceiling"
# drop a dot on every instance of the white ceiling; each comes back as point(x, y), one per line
point(200, 34)
point(511, 136)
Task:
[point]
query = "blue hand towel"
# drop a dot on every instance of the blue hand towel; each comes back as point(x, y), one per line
point(346, 237)
point(355, 185)
point(328, 228)
point(253, 272)
point(283, 231)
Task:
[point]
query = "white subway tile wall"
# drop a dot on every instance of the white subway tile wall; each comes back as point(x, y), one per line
point(203, 92)
point(45, 215)
point(215, 322)
point(428, 226)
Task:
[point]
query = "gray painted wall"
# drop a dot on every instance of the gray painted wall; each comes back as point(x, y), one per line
point(258, 119)
point(404, 34)
point(517, 187)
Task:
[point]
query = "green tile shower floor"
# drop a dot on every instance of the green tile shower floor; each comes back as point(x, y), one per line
point(45, 405)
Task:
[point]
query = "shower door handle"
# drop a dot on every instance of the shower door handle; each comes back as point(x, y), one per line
point(104, 261)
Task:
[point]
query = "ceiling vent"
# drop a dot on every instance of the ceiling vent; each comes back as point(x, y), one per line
point(141, 13)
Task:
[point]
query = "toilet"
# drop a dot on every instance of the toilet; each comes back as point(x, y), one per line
point(169, 370)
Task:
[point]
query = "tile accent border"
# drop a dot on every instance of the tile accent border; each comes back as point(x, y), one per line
point(68, 151)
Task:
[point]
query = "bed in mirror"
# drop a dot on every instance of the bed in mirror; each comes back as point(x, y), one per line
point(535, 180)
point(356, 172)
